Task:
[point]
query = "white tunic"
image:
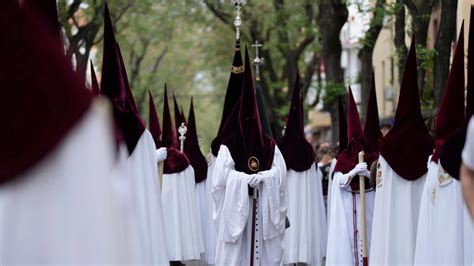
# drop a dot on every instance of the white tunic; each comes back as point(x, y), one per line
point(205, 204)
point(183, 230)
point(305, 240)
point(65, 209)
point(146, 190)
point(445, 231)
point(396, 212)
point(233, 212)
point(468, 151)
point(343, 223)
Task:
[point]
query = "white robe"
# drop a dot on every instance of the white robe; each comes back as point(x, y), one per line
point(65, 210)
point(146, 190)
point(445, 230)
point(396, 212)
point(340, 249)
point(183, 230)
point(205, 205)
point(233, 212)
point(305, 240)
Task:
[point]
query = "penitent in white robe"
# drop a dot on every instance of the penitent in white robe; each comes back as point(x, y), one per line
point(145, 188)
point(65, 210)
point(183, 230)
point(305, 239)
point(445, 232)
point(343, 224)
point(205, 204)
point(233, 212)
point(396, 211)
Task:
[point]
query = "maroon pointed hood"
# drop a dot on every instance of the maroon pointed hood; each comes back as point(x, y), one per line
point(247, 143)
point(450, 156)
point(372, 123)
point(407, 146)
point(349, 158)
point(168, 138)
point(192, 150)
point(176, 161)
point(47, 12)
point(342, 126)
point(115, 86)
point(232, 96)
point(43, 99)
point(450, 116)
point(153, 121)
point(94, 84)
point(297, 151)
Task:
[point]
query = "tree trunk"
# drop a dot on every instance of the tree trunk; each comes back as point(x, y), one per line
point(421, 13)
point(446, 33)
point(399, 39)
point(366, 52)
point(332, 16)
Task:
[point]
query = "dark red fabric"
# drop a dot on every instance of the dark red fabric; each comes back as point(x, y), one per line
point(153, 121)
point(192, 150)
point(248, 140)
point(94, 84)
point(349, 158)
point(408, 144)
point(372, 123)
point(115, 86)
point(47, 11)
point(233, 92)
point(450, 116)
point(42, 97)
point(176, 161)
point(342, 126)
point(298, 153)
point(450, 157)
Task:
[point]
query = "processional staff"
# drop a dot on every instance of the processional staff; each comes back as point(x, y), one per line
point(182, 132)
point(363, 217)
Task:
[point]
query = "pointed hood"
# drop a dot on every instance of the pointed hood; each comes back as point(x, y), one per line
point(37, 112)
point(47, 12)
point(234, 89)
point(349, 158)
point(297, 151)
point(153, 121)
point(450, 156)
point(450, 116)
point(192, 150)
point(250, 148)
point(168, 138)
point(408, 144)
point(372, 123)
point(115, 86)
point(178, 117)
point(176, 161)
point(342, 126)
point(94, 84)
point(262, 109)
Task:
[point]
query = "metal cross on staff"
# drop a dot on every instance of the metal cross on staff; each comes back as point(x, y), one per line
point(257, 61)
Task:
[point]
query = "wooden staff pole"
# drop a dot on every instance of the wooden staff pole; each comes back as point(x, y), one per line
point(362, 211)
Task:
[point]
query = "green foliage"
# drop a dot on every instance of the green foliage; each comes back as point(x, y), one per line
point(332, 91)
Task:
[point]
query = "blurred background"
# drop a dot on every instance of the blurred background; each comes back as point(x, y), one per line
point(189, 45)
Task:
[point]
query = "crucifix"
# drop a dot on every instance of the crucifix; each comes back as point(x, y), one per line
point(257, 61)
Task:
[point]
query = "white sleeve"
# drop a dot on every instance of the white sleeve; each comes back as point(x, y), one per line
point(230, 196)
point(274, 197)
point(468, 151)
